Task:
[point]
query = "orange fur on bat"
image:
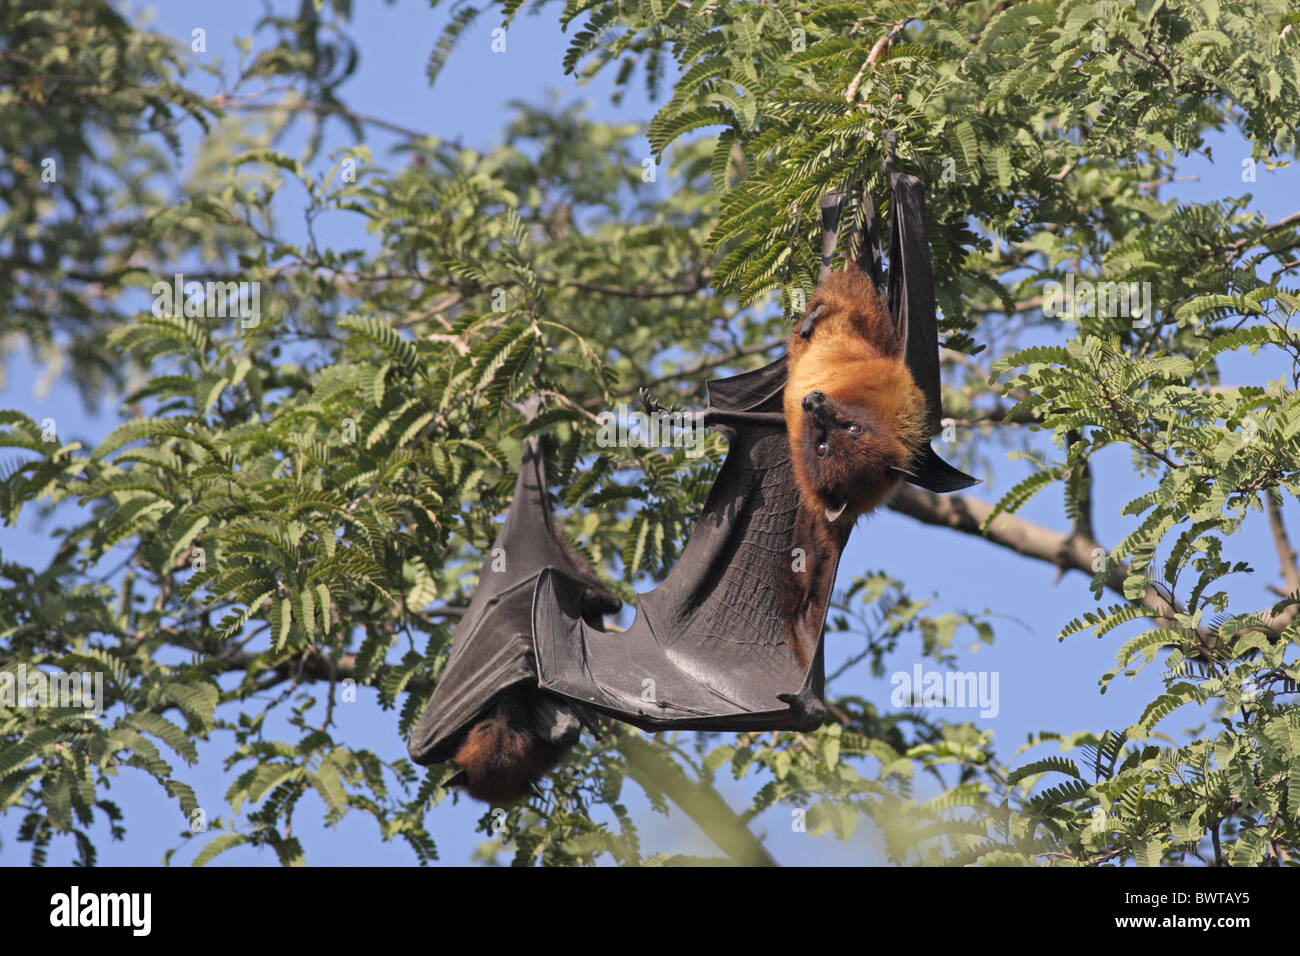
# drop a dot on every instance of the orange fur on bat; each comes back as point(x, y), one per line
point(503, 756)
point(851, 406)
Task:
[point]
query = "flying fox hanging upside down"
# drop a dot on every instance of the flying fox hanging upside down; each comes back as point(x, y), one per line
point(502, 757)
point(856, 418)
point(732, 639)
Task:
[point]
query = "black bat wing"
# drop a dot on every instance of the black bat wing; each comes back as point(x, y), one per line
point(492, 645)
point(911, 303)
point(713, 647)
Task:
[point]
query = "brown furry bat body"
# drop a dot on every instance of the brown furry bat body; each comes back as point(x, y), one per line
point(506, 753)
point(526, 733)
point(853, 412)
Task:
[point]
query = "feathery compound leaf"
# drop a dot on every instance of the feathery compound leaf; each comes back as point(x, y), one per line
point(1164, 705)
point(387, 339)
point(1045, 765)
point(167, 732)
point(218, 845)
point(1023, 490)
point(197, 700)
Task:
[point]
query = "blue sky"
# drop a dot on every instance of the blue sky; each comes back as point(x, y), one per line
point(1044, 684)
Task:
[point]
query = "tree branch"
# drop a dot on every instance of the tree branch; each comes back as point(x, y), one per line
point(221, 101)
point(1069, 552)
point(700, 802)
point(639, 292)
point(704, 366)
point(1286, 555)
point(876, 53)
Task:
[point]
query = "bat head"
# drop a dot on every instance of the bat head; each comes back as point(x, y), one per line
point(853, 410)
point(851, 448)
point(524, 735)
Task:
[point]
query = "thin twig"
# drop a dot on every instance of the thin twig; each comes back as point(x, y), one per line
point(876, 53)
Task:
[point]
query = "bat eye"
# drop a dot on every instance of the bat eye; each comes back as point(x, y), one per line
point(855, 429)
point(823, 450)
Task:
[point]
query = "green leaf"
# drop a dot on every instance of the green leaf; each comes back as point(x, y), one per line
point(219, 844)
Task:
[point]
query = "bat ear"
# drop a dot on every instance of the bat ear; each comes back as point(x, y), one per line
point(456, 780)
point(810, 320)
point(932, 473)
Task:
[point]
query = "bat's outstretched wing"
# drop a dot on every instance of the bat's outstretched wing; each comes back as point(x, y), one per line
point(911, 302)
point(731, 640)
point(492, 646)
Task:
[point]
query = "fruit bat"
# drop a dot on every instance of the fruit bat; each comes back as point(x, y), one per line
point(731, 640)
point(486, 715)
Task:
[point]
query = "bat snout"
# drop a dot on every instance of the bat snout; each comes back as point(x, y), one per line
point(818, 408)
point(814, 401)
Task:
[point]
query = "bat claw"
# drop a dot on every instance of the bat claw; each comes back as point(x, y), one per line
point(809, 712)
point(648, 401)
point(795, 701)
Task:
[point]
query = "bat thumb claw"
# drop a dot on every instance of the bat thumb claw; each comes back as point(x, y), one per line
point(650, 404)
point(588, 720)
point(809, 711)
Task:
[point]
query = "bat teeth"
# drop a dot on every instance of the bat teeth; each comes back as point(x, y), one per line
point(833, 516)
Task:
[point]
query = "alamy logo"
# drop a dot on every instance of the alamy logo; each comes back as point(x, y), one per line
point(29, 688)
point(922, 688)
point(1106, 299)
point(624, 428)
point(213, 300)
point(134, 910)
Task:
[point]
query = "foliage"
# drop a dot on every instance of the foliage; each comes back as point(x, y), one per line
point(292, 506)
